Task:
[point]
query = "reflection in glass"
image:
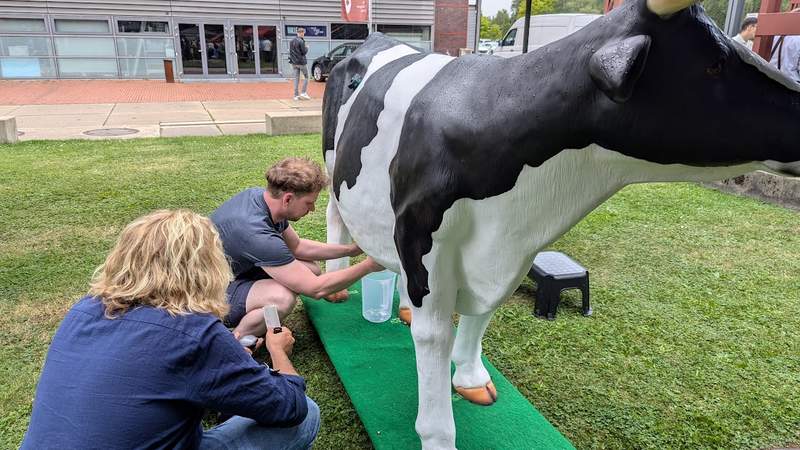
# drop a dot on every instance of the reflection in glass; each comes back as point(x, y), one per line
point(87, 68)
point(27, 68)
point(215, 50)
point(267, 50)
point(191, 57)
point(151, 48)
point(142, 68)
point(85, 46)
point(22, 25)
point(81, 26)
point(24, 46)
point(245, 49)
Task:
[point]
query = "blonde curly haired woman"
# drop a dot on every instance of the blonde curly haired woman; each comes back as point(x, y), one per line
point(137, 361)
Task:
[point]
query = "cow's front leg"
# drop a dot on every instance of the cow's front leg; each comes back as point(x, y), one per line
point(432, 331)
point(337, 234)
point(471, 379)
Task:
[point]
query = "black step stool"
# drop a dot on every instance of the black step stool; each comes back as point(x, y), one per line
point(553, 273)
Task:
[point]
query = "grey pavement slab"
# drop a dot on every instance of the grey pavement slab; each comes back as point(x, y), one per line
point(77, 133)
point(245, 104)
point(56, 110)
point(138, 108)
point(194, 130)
point(244, 128)
point(59, 121)
point(8, 110)
point(243, 114)
point(153, 118)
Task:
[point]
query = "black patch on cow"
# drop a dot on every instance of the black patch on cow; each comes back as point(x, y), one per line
point(341, 76)
point(481, 120)
point(362, 122)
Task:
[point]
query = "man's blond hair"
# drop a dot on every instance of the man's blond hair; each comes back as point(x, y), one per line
point(296, 175)
point(168, 259)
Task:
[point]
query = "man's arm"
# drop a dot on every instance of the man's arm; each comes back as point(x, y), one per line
point(309, 250)
point(298, 278)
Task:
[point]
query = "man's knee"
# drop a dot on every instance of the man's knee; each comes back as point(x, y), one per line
point(313, 266)
point(270, 293)
point(310, 426)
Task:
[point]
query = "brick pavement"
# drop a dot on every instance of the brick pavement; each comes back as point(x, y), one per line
point(60, 92)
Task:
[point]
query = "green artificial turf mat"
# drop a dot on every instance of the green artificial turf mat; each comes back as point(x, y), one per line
point(377, 367)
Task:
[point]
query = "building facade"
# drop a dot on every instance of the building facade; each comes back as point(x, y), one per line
point(205, 39)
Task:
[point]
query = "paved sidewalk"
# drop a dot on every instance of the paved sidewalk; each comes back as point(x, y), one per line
point(60, 92)
point(68, 109)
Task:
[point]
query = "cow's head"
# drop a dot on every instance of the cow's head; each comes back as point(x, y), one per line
point(672, 88)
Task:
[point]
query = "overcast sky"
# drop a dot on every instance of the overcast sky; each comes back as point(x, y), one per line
point(490, 7)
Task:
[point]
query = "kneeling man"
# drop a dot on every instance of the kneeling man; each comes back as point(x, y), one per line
point(270, 262)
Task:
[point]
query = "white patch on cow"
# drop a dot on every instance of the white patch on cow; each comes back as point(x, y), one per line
point(545, 203)
point(379, 60)
point(366, 208)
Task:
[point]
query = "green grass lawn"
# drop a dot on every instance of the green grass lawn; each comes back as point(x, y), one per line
point(694, 342)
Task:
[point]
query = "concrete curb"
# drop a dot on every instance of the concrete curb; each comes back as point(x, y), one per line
point(775, 189)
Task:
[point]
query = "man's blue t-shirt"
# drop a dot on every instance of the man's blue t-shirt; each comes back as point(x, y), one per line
point(144, 380)
point(250, 238)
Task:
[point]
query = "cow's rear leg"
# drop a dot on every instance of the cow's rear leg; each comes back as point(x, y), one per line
point(337, 234)
point(471, 380)
point(404, 312)
point(432, 331)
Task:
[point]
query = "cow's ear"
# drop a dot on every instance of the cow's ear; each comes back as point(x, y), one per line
point(616, 67)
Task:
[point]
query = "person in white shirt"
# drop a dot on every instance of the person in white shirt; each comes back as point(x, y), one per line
point(747, 33)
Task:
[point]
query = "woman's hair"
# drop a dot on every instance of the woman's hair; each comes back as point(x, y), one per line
point(296, 175)
point(169, 259)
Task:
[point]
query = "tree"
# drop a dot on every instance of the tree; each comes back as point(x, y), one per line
point(537, 7)
point(490, 30)
point(503, 20)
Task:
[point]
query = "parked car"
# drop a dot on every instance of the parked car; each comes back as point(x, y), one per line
point(321, 67)
point(486, 46)
point(544, 29)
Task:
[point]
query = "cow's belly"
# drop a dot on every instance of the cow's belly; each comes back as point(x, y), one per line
point(494, 240)
point(366, 207)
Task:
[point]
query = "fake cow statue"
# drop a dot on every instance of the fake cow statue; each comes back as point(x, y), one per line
point(454, 173)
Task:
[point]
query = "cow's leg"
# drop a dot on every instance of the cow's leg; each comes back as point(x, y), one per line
point(471, 379)
point(432, 331)
point(337, 234)
point(404, 312)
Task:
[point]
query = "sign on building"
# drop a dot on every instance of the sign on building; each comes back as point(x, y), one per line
point(355, 10)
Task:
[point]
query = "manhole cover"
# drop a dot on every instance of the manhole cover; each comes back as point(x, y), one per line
point(20, 133)
point(110, 132)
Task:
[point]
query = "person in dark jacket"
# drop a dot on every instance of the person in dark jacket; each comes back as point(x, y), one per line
point(297, 57)
point(136, 362)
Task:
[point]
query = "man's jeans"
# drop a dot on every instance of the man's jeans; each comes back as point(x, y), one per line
point(244, 434)
point(298, 69)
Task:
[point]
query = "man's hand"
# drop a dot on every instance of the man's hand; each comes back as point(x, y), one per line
point(280, 343)
point(354, 250)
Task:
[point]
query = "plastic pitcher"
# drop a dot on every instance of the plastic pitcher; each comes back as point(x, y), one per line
point(377, 295)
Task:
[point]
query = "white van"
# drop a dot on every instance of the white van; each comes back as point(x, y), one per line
point(545, 28)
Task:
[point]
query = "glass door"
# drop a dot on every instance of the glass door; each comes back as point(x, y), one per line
point(216, 56)
point(191, 50)
point(203, 50)
point(246, 49)
point(268, 49)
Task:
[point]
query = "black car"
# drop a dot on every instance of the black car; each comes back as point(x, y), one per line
point(322, 66)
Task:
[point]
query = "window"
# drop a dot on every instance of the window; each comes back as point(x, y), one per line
point(142, 26)
point(349, 31)
point(85, 46)
point(142, 68)
point(145, 48)
point(407, 33)
point(510, 38)
point(87, 68)
point(27, 68)
point(24, 46)
point(312, 31)
point(340, 52)
point(81, 26)
point(22, 26)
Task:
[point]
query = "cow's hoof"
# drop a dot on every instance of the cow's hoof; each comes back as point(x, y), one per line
point(485, 395)
point(404, 314)
point(338, 297)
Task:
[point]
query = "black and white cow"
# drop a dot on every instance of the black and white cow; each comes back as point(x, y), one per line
point(456, 172)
